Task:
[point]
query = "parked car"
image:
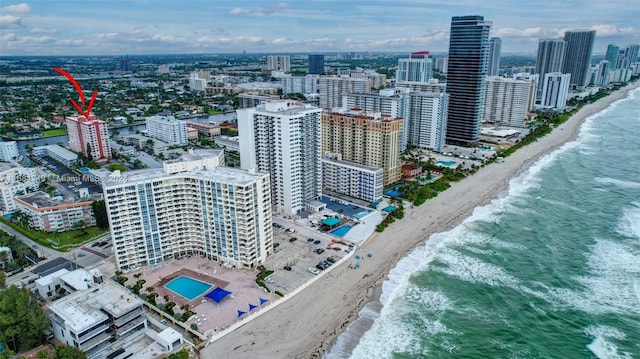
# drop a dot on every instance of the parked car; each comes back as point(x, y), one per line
point(331, 260)
point(317, 241)
point(287, 268)
point(313, 270)
point(293, 239)
point(276, 245)
point(319, 250)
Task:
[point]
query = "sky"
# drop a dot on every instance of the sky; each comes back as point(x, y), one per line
point(118, 27)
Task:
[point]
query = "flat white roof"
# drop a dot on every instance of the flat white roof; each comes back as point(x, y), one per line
point(48, 279)
point(78, 279)
point(59, 151)
point(219, 174)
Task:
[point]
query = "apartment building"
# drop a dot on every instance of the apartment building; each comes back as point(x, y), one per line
point(366, 138)
point(351, 179)
point(283, 139)
point(331, 89)
point(167, 129)
point(508, 101)
point(15, 179)
point(190, 206)
point(54, 214)
point(89, 136)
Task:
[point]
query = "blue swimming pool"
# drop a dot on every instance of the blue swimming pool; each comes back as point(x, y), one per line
point(359, 215)
point(341, 231)
point(188, 287)
point(389, 209)
point(446, 163)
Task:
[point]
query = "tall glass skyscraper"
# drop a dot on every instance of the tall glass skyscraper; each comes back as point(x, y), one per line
point(550, 59)
point(495, 48)
point(316, 64)
point(578, 55)
point(468, 54)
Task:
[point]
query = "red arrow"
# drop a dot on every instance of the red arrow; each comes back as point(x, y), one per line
point(79, 90)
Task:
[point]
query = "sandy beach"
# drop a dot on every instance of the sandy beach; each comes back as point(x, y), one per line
point(305, 325)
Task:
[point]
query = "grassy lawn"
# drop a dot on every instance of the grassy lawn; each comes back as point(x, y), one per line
point(54, 132)
point(214, 112)
point(62, 241)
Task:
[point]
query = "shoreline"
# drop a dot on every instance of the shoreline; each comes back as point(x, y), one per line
point(307, 325)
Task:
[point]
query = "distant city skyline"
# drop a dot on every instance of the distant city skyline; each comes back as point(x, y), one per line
point(72, 27)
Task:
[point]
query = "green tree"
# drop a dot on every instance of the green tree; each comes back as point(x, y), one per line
point(89, 155)
point(68, 352)
point(42, 354)
point(3, 280)
point(23, 322)
point(100, 212)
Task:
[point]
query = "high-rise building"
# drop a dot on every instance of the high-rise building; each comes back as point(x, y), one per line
point(467, 67)
point(283, 139)
point(555, 89)
point(442, 64)
point(89, 136)
point(578, 55)
point(612, 55)
point(495, 49)
point(417, 68)
point(316, 65)
point(351, 179)
point(602, 73)
point(8, 150)
point(507, 101)
point(550, 59)
point(299, 84)
point(331, 89)
point(279, 63)
point(191, 206)
point(631, 54)
point(15, 179)
point(369, 139)
point(425, 114)
point(167, 129)
point(197, 83)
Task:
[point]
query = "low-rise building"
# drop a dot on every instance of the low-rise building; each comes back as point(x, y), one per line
point(8, 151)
point(15, 180)
point(98, 320)
point(205, 129)
point(57, 153)
point(54, 214)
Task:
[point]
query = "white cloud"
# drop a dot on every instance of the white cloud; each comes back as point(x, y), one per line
point(260, 11)
point(37, 30)
point(8, 36)
point(10, 21)
point(16, 9)
point(610, 30)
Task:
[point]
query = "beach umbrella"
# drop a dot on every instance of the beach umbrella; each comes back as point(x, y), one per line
point(369, 255)
point(252, 307)
point(241, 313)
point(357, 256)
point(358, 265)
point(262, 301)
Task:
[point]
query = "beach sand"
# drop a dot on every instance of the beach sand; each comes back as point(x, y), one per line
point(305, 325)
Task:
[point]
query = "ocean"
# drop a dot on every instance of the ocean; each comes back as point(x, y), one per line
point(551, 269)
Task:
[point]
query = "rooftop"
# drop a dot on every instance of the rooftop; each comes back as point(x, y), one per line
point(59, 151)
point(83, 309)
point(220, 174)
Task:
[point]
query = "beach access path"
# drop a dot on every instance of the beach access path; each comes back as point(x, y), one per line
point(304, 326)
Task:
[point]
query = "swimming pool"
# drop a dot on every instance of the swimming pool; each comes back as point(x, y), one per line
point(361, 214)
point(188, 287)
point(446, 163)
point(341, 231)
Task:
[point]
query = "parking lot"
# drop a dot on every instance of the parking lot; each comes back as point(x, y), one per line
point(299, 255)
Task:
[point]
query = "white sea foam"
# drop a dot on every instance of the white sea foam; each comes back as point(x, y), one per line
point(389, 336)
point(612, 284)
point(618, 182)
point(629, 224)
point(602, 346)
point(473, 270)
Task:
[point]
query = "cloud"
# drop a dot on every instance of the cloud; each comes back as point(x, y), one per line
point(16, 9)
point(260, 11)
point(10, 21)
point(8, 37)
point(611, 30)
point(37, 30)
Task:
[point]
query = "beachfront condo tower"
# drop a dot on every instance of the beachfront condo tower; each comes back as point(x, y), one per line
point(282, 138)
point(467, 67)
point(578, 55)
point(366, 138)
point(550, 59)
point(191, 206)
point(495, 50)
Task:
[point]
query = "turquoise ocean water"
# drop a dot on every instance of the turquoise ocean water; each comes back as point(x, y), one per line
point(549, 270)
